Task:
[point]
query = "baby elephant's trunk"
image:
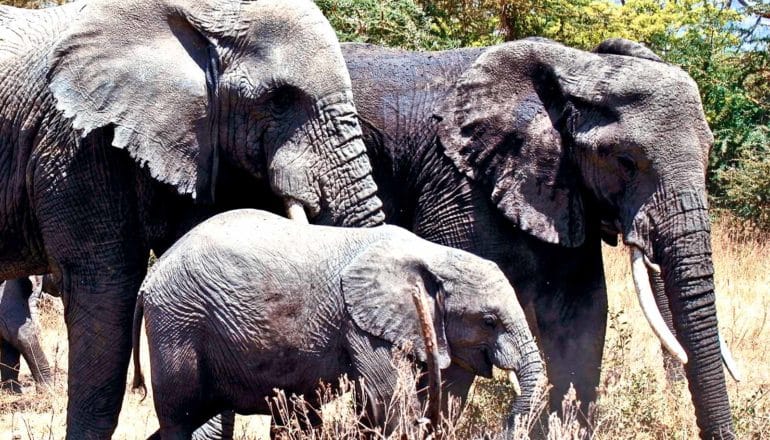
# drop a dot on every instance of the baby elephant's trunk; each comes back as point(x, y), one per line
point(136, 334)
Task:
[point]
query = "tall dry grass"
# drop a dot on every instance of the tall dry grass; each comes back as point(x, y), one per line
point(635, 399)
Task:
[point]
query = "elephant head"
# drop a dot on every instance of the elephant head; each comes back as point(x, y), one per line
point(182, 85)
point(553, 133)
point(476, 316)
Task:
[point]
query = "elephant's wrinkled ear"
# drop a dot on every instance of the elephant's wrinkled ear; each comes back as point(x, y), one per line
point(499, 127)
point(621, 46)
point(143, 70)
point(377, 287)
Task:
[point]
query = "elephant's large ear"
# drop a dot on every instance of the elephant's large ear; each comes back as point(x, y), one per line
point(377, 287)
point(621, 46)
point(500, 127)
point(148, 70)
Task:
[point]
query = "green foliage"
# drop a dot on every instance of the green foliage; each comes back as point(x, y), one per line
point(401, 23)
point(745, 184)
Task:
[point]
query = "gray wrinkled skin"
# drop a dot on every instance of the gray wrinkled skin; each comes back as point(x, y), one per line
point(248, 301)
point(20, 334)
point(117, 116)
point(529, 154)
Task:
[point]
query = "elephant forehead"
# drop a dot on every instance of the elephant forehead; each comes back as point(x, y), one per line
point(296, 39)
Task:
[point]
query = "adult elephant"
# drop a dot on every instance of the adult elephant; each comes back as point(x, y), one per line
point(529, 154)
point(115, 117)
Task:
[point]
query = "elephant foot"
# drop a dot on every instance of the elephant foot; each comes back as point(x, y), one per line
point(10, 386)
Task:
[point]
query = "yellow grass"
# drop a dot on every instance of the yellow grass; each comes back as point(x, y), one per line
point(636, 402)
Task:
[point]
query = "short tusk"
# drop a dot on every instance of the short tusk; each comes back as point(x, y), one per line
point(514, 382)
point(650, 309)
point(295, 211)
point(650, 265)
point(729, 361)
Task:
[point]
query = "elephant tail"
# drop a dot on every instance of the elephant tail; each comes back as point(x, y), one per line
point(136, 335)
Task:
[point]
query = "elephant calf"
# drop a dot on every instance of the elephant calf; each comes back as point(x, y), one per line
point(19, 333)
point(248, 301)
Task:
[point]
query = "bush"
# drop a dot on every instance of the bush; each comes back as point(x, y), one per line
point(746, 183)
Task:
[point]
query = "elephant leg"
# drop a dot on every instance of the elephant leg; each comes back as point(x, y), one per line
point(572, 346)
point(456, 385)
point(673, 368)
point(372, 364)
point(90, 201)
point(571, 314)
point(9, 367)
point(218, 427)
point(98, 317)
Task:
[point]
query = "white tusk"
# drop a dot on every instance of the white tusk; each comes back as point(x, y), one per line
point(650, 309)
point(514, 382)
point(295, 211)
point(650, 265)
point(729, 361)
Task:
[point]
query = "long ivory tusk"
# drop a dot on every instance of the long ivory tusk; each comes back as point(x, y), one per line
point(514, 382)
point(650, 309)
point(729, 361)
point(295, 211)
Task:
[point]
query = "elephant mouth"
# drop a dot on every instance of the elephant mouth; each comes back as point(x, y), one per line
point(486, 370)
point(483, 368)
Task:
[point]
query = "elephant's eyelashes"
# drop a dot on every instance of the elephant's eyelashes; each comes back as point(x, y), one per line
point(490, 321)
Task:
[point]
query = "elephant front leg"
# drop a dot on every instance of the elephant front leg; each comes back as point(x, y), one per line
point(572, 347)
point(455, 387)
point(9, 367)
point(98, 312)
point(571, 314)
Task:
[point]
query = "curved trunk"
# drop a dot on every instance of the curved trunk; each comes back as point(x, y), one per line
point(680, 241)
point(530, 374)
point(524, 359)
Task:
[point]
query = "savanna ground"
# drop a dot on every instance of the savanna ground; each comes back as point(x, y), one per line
point(636, 401)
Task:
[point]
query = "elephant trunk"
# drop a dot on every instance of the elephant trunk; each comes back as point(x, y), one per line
point(530, 375)
point(347, 187)
point(526, 371)
point(680, 243)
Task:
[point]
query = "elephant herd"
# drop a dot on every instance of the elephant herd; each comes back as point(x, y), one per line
point(141, 125)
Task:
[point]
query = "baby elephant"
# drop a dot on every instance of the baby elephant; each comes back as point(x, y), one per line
point(19, 333)
point(248, 301)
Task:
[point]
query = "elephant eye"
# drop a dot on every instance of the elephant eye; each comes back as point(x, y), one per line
point(282, 99)
point(628, 165)
point(490, 321)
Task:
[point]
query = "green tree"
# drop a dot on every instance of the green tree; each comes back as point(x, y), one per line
point(400, 23)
